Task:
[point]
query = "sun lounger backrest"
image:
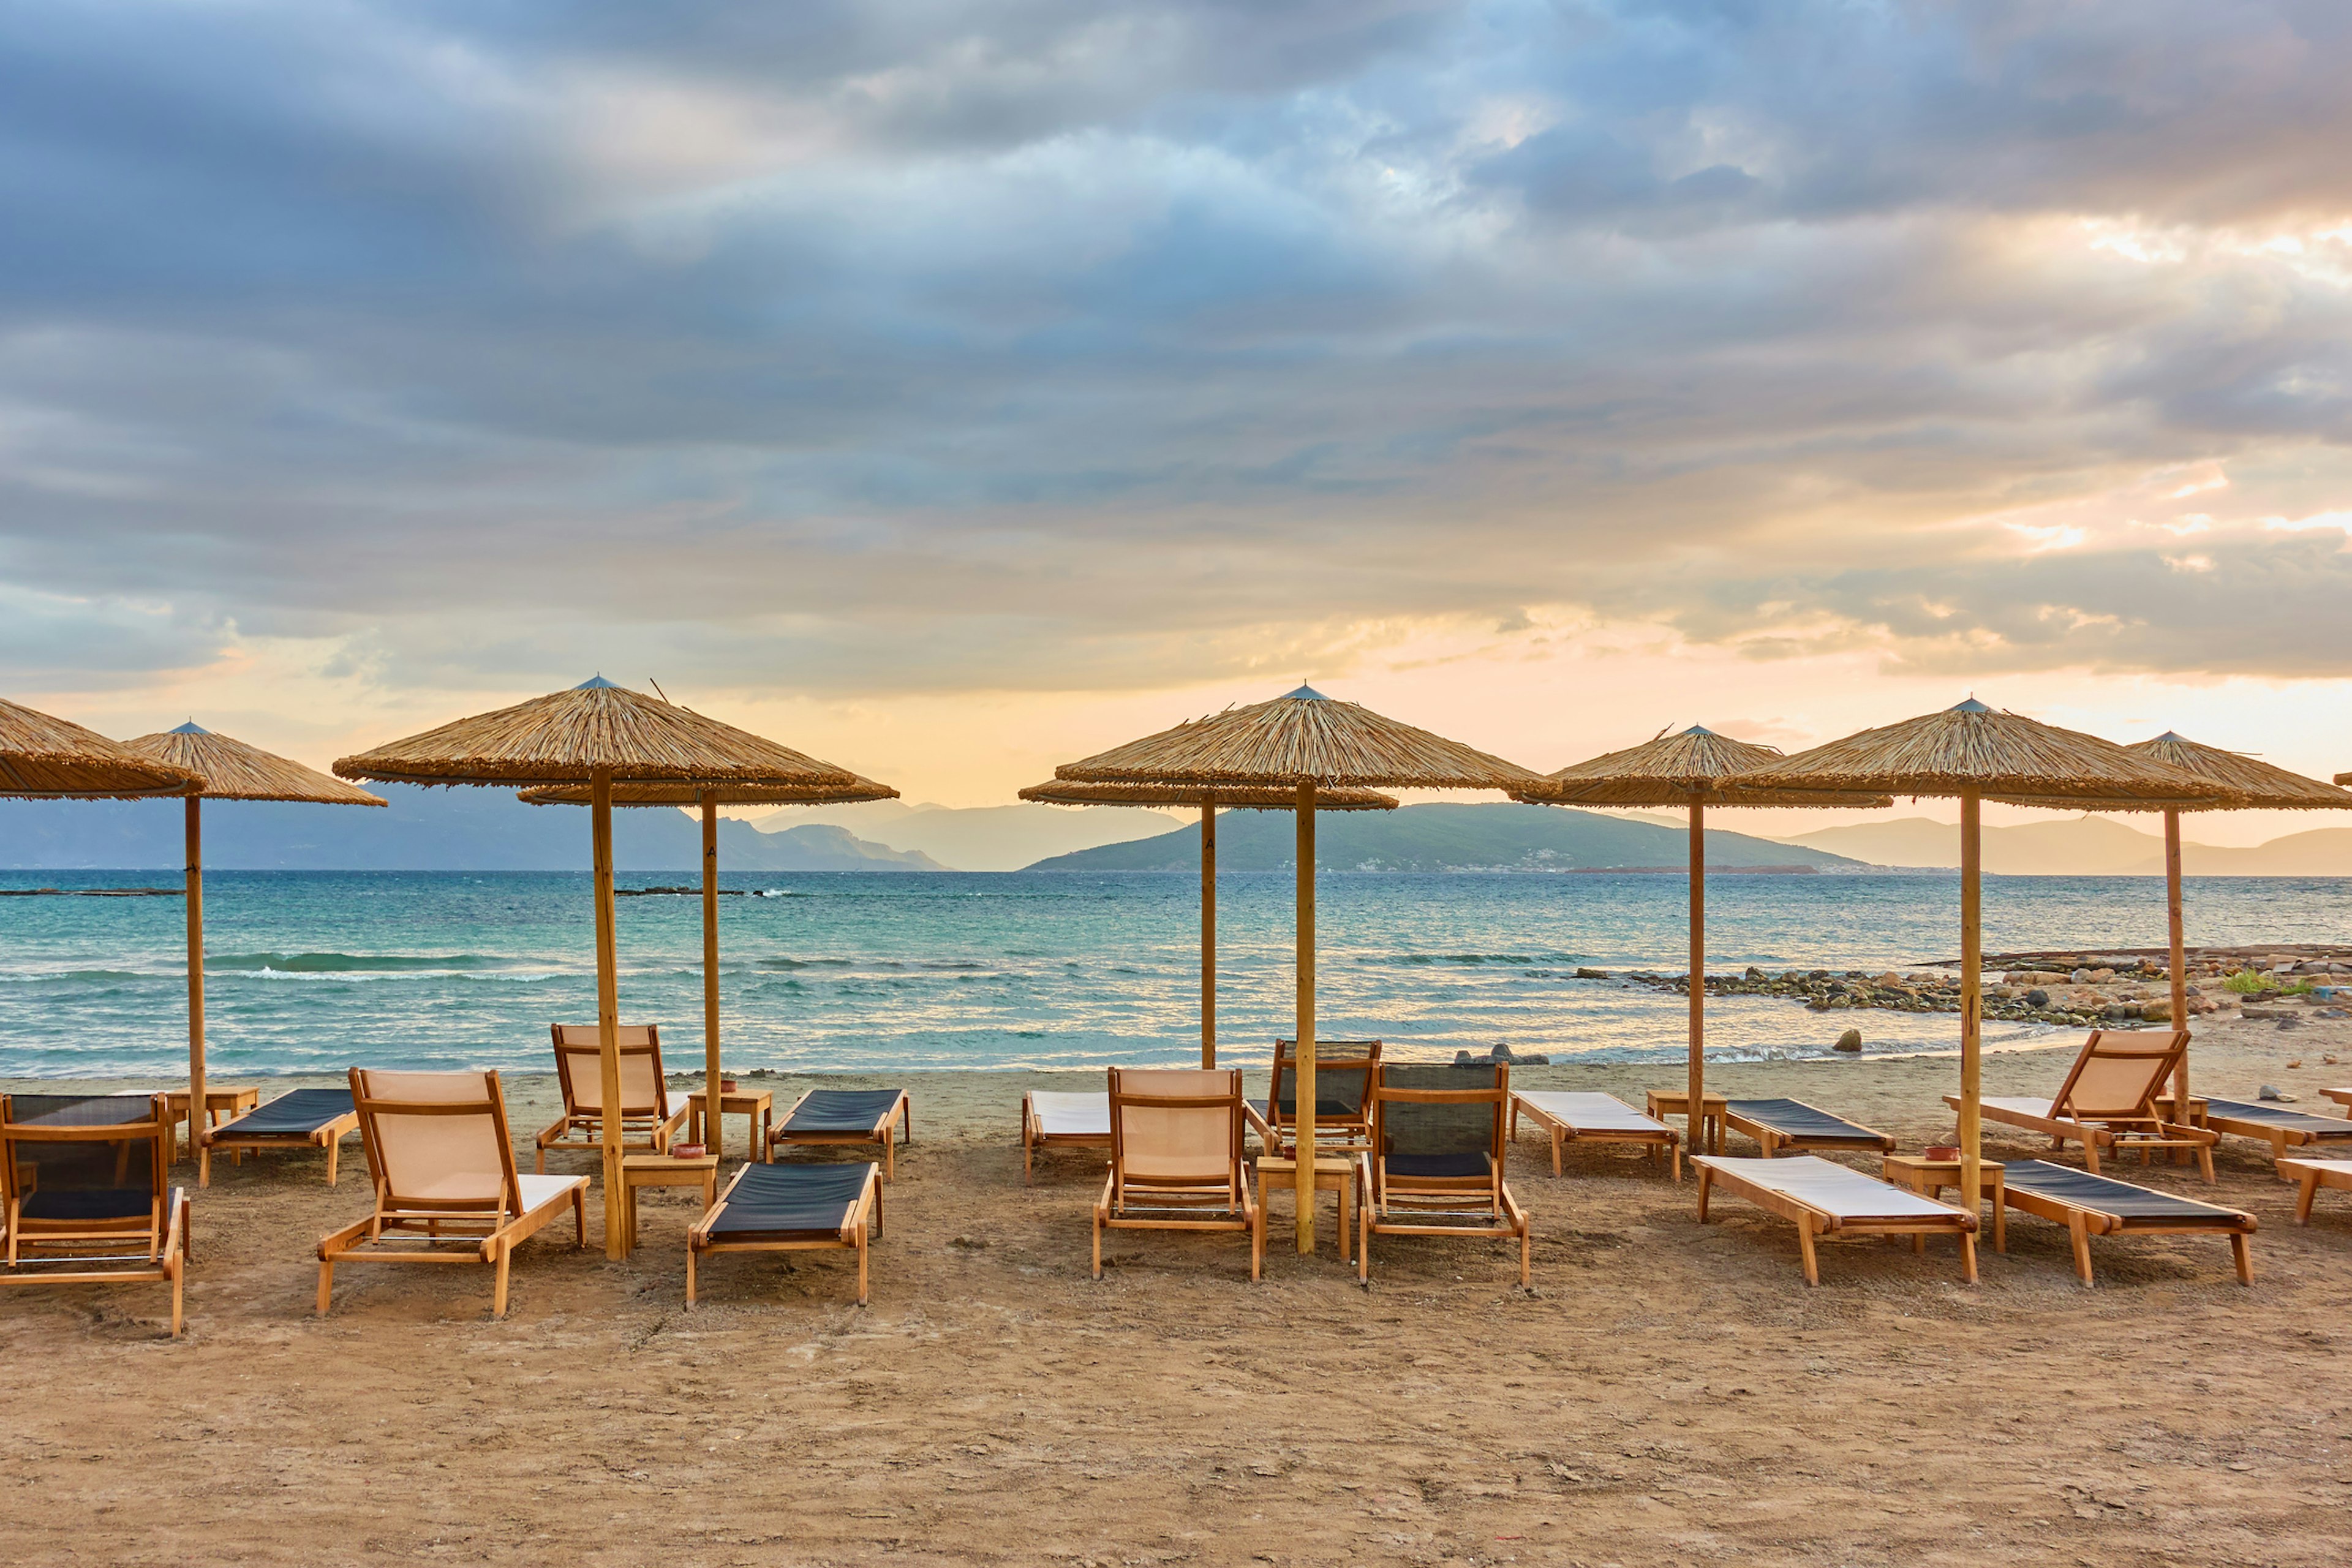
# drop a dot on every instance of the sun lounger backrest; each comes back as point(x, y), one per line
point(1175, 1124)
point(437, 1140)
point(83, 1157)
point(1343, 1076)
point(2118, 1075)
point(1426, 1109)
point(644, 1090)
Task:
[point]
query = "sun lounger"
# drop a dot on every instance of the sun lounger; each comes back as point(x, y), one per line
point(1435, 1167)
point(1343, 1079)
point(2089, 1204)
point(1176, 1158)
point(446, 1187)
point(2311, 1174)
point(1822, 1199)
point(1593, 1118)
point(1051, 1121)
point(82, 1177)
point(849, 1116)
point(649, 1115)
point(2279, 1128)
point(2340, 1096)
point(791, 1208)
point(2108, 1101)
point(1798, 1128)
point(298, 1118)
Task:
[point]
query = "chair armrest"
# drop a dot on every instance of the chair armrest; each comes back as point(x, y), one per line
point(1258, 1121)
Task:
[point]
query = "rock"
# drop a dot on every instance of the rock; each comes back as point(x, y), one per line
point(2080, 977)
point(2037, 998)
point(2156, 1012)
point(1849, 1041)
point(1755, 974)
point(2101, 976)
point(1592, 975)
point(2272, 1091)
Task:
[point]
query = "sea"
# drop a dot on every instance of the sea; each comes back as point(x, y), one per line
point(309, 971)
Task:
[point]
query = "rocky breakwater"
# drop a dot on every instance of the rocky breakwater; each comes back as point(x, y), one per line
point(2133, 996)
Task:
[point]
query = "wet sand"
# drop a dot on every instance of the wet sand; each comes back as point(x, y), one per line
point(1668, 1392)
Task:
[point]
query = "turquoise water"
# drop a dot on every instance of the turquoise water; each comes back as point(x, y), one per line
point(313, 971)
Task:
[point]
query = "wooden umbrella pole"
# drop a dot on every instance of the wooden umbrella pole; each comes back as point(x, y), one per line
point(608, 1006)
point(2179, 955)
point(1303, 1072)
point(1697, 978)
point(1971, 994)
point(195, 903)
point(713, 1135)
point(1208, 936)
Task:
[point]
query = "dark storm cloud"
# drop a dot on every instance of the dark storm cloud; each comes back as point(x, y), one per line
point(966, 344)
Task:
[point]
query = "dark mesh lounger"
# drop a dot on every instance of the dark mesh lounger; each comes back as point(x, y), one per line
point(2279, 1128)
point(850, 1116)
point(298, 1118)
point(2090, 1205)
point(1792, 1125)
point(786, 1208)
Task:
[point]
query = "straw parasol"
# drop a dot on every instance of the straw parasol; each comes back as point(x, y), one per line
point(43, 758)
point(1308, 742)
point(1971, 751)
point(1686, 770)
point(2259, 786)
point(227, 770)
point(601, 735)
point(709, 798)
point(1208, 797)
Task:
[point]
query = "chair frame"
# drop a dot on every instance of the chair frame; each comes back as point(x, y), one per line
point(863, 1224)
point(1812, 1221)
point(1035, 1138)
point(1562, 1133)
point(328, 1137)
point(2100, 1131)
point(164, 1229)
point(901, 1110)
point(2083, 1221)
point(645, 1130)
point(488, 1235)
point(1183, 1203)
point(1380, 1194)
point(1279, 1133)
point(1775, 1143)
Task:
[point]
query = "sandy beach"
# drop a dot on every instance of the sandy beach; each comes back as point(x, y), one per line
point(1667, 1393)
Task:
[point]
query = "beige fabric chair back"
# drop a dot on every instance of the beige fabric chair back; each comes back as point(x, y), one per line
point(2119, 1074)
point(436, 1141)
point(644, 1090)
point(1176, 1126)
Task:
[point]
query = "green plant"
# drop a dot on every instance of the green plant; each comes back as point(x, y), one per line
point(2250, 983)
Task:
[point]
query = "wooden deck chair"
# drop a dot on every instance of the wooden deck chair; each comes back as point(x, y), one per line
point(791, 1208)
point(1051, 1121)
point(2090, 1205)
point(850, 1116)
point(1435, 1167)
point(1824, 1198)
point(446, 1187)
point(2310, 1175)
point(2108, 1100)
point(1176, 1160)
point(1343, 1108)
point(649, 1118)
point(1573, 1118)
point(1791, 1126)
point(82, 1177)
point(298, 1118)
point(2279, 1128)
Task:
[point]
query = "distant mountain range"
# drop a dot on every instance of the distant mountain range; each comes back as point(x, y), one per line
point(463, 829)
point(981, 838)
point(1446, 837)
point(2083, 846)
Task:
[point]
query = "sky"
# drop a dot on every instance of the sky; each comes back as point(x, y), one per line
point(952, 388)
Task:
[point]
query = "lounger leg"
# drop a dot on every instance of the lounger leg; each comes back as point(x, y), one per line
point(1968, 1257)
point(334, 1150)
point(498, 1290)
point(1805, 1247)
point(579, 1218)
point(539, 1163)
point(1099, 1222)
point(2079, 1232)
point(326, 1283)
point(1675, 1148)
point(2243, 1257)
point(2090, 1155)
point(177, 1269)
point(889, 1156)
point(1706, 1182)
point(1028, 1153)
point(204, 1163)
point(2205, 1160)
point(1527, 1251)
point(689, 1271)
point(2309, 1190)
point(861, 1263)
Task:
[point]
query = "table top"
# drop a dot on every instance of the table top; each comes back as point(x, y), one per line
point(633, 1164)
point(234, 1094)
point(1681, 1097)
point(1921, 1163)
point(1323, 1167)
point(731, 1099)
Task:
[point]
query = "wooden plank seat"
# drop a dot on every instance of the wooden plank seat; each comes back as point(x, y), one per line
point(2279, 1128)
point(1435, 1167)
point(1176, 1160)
point(1587, 1118)
point(791, 1208)
point(2108, 1102)
point(2090, 1205)
point(1821, 1198)
point(298, 1118)
point(2311, 1174)
point(1795, 1126)
point(650, 1114)
point(82, 1179)
point(850, 1116)
point(1061, 1121)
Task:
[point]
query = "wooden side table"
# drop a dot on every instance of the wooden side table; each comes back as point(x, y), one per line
point(1331, 1176)
point(1928, 1177)
point(662, 1170)
point(1665, 1102)
point(221, 1103)
point(756, 1106)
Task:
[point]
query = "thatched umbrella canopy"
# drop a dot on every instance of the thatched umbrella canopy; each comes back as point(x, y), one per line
point(601, 735)
point(42, 758)
point(709, 798)
point(1209, 798)
point(1307, 742)
point(2259, 786)
point(230, 770)
point(1686, 770)
point(1971, 751)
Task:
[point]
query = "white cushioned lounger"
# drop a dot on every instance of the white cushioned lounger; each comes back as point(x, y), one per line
point(1825, 1199)
point(1049, 1120)
point(1577, 1116)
